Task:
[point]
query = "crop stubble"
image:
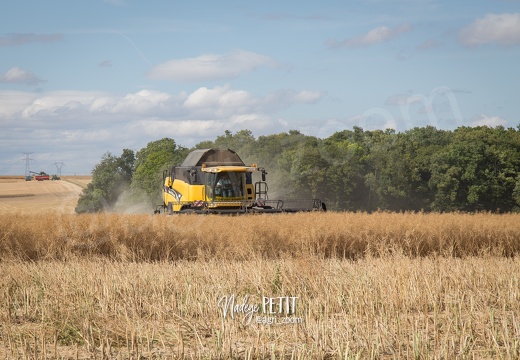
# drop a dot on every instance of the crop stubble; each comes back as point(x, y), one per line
point(376, 285)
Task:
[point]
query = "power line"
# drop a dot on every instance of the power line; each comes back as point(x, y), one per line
point(59, 164)
point(27, 163)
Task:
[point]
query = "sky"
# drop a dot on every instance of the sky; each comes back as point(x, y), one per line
point(80, 78)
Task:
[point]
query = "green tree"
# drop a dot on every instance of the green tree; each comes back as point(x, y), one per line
point(516, 194)
point(308, 169)
point(240, 140)
point(468, 169)
point(275, 153)
point(343, 172)
point(150, 163)
point(477, 171)
point(421, 145)
point(110, 177)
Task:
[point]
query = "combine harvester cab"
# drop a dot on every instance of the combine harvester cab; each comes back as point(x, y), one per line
point(217, 181)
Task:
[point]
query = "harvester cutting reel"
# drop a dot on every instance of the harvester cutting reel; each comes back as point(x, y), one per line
point(258, 206)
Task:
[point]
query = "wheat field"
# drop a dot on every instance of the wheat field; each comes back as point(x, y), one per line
point(382, 285)
point(52, 236)
point(30, 197)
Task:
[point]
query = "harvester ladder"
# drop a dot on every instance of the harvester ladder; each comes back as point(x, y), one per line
point(261, 190)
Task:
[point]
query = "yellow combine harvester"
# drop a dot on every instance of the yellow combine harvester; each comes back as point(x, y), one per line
point(218, 181)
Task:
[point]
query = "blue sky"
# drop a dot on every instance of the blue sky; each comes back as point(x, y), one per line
point(81, 78)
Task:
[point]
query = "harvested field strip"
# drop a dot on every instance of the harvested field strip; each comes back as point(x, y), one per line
point(81, 184)
point(12, 177)
point(391, 307)
point(191, 237)
point(6, 196)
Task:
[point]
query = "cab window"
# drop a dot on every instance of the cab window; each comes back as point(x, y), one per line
point(229, 185)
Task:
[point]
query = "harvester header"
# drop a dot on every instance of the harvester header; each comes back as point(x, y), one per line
point(218, 181)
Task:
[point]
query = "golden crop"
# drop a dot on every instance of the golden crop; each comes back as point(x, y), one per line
point(191, 237)
point(377, 285)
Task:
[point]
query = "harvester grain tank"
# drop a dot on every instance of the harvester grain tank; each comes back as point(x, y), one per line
point(218, 181)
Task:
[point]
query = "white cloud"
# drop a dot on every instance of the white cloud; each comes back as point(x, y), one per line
point(194, 130)
point(491, 121)
point(220, 96)
point(281, 98)
point(225, 102)
point(21, 76)
point(142, 102)
point(56, 104)
point(375, 36)
point(503, 29)
point(160, 128)
point(12, 101)
point(203, 103)
point(307, 97)
point(210, 66)
point(78, 127)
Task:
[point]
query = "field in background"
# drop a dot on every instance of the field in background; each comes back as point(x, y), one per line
point(81, 181)
point(18, 195)
point(379, 285)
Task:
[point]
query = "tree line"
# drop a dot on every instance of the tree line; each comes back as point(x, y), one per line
point(468, 169)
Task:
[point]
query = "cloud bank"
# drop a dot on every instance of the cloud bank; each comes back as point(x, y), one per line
point(503, 29)
point(79, 126)
point(210, 67)
point(491, 121)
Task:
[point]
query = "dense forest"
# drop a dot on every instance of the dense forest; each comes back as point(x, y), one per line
point(423, 169)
